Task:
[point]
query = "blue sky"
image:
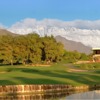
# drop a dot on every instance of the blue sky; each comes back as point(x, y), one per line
point(12, 11)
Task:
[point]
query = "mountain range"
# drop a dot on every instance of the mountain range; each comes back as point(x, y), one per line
point(86, 32)
point(73, 46)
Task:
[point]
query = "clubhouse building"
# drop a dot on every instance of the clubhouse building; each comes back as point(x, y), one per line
point(96, 54)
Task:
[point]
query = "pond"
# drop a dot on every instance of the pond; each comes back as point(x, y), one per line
point(70, 95)
point(91, 95)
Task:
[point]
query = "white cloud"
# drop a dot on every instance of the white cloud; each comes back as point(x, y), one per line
point(84, 24)
point(85, 31)
point(81, 24)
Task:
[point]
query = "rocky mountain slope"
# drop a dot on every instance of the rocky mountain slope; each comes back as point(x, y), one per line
point(72, 45)
point(5, 32)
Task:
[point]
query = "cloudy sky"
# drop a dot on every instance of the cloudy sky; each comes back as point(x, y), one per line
point(24, 16)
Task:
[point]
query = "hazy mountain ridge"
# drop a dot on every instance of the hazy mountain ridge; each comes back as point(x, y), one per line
point(72, 45)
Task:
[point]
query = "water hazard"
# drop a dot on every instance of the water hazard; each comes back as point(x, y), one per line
point(91, 95)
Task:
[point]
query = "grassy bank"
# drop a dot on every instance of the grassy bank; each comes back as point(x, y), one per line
point(55, 74)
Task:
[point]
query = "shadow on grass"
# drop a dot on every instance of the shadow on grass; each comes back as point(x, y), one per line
point(37, 81)
point(6, 82)
point(54, 77)
point(97, 72)
point(62, 76)
point(82, 78)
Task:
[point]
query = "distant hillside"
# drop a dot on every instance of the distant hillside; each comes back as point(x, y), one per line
point(72, 45)
point(5, 32)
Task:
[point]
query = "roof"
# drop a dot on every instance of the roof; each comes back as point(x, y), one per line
point(95, 48)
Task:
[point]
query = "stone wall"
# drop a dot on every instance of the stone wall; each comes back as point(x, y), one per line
point(21, 89)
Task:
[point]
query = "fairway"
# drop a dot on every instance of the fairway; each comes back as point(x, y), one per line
point(54, 74)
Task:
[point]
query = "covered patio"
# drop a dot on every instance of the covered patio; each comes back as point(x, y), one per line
point(96, 54)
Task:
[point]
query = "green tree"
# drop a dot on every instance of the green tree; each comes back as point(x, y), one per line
point(52, 51)
point(29, 48)
point(6, 49)
point(21, 49)
point(35, 46)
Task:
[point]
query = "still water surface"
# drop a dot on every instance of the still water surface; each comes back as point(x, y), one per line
point(92, 95)
point(71, 95)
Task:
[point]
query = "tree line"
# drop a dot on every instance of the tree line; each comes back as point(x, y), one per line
point(33, 49)
point(29, 48)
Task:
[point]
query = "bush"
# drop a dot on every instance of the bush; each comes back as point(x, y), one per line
point(89, 66)
point(97, 66)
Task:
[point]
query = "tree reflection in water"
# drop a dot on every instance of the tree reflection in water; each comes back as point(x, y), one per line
point(55, 96)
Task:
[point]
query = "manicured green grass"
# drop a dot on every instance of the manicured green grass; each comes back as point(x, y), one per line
point(55, 74)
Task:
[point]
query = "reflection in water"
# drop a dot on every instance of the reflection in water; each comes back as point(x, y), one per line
point(34, 97)
point(56, 96)
point(92, 95)
point(49, 96)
